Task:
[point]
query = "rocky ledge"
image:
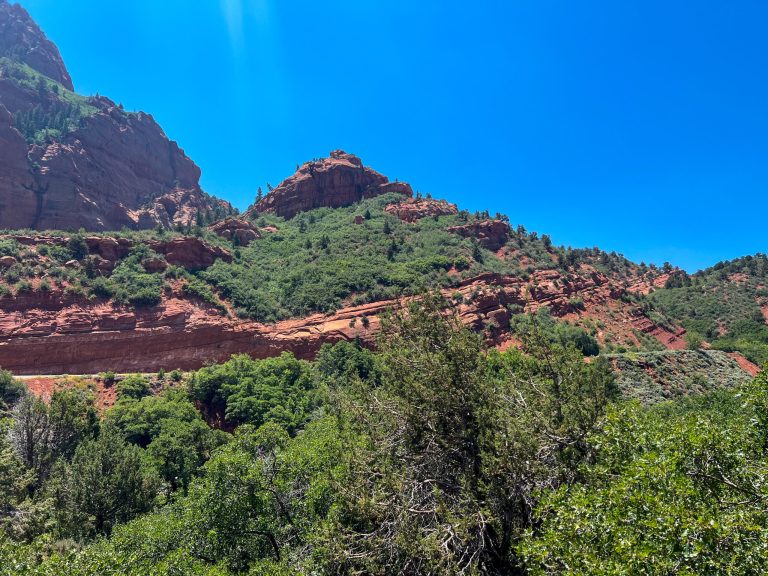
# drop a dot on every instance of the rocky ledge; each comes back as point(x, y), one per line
point(412, 209)
point(241, 232)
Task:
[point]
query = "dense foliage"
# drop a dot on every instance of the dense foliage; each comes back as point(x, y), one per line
point(675, 489)
point(430, 456)
point(317, 261)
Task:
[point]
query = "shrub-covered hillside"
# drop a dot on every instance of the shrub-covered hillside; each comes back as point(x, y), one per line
point(317, 261)
point(726, 304)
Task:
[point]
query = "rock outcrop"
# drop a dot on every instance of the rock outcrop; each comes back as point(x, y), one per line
point(21, 39)
point(490, 234)
point(59, 332)
point(188, 252)
point(236, 230)
point(333, 182)
point(18, 201)
point(103, 169)
point(411, 210)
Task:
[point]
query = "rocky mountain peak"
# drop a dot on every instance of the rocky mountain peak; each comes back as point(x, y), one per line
point(333, 182)
point(21, 39)
point(69, 161)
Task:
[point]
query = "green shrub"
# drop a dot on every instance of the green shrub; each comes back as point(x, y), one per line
point(9, 247)
point(134, 386)
point(23, 287)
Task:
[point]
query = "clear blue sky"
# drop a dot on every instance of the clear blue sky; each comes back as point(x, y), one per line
point(637, 126)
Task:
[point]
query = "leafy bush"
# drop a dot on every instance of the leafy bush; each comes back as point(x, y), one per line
point(255, 392)
point(134, 386)
point(9, 247)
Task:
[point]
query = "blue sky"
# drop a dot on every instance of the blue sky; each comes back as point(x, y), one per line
point(636, 126)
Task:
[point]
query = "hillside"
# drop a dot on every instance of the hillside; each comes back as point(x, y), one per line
point(727, 305)
point(68, 161)
point(144, 302)
point(671, 374)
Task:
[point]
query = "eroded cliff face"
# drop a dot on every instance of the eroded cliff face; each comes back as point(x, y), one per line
point(18, 201)
point(333, 182)
point(103, 169)
point(21, 39)
point(58, 333)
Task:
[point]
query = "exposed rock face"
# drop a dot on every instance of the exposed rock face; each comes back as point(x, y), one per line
point(61, 333)
point(118, 169)
point(16, 181)
point(22, 40)
point(237, 230)
point(190, 253)
point(115, 169)
point(186, 251)
point(411, 210)
point(333, 182)
point(490, 234)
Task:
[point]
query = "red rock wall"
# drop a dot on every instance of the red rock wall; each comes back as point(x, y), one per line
point(57, 336)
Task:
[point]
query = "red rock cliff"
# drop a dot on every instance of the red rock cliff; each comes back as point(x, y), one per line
point(107, 170)
point(22, 40)
point(333, 182)
point(57, 333)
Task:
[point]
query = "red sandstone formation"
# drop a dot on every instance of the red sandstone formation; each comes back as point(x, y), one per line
point(744, 364)
point(189, 252)
point(333, 182)
point(22, 39)
point(411, 210)
point(490, 234)
point(238, 230)
point(62, 333)
point(116, 169)
point(186, 251)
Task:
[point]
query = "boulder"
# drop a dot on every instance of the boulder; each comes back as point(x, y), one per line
point(109, 248)
point(190, 252)
point(490, 234)
point(236, 230)
point(155, 265)
point(7, 261)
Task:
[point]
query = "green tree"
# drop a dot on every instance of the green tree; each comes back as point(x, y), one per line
point(672, 489)
point(257, 391)
point(105, 484)
point(11, 391)
point(134, 386)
